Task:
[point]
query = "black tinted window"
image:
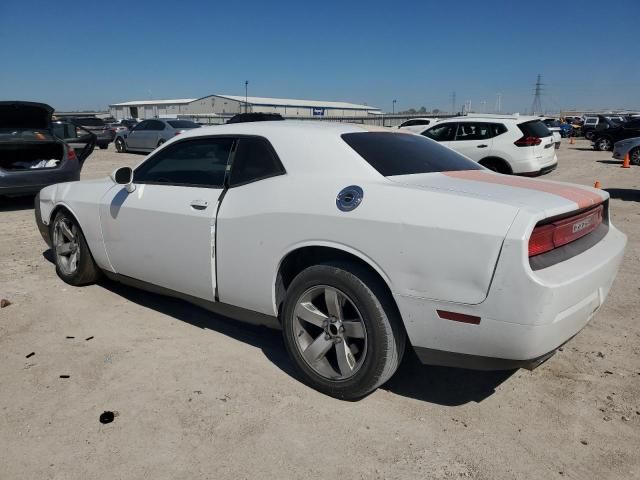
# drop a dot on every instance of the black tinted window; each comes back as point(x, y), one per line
point(404, 154)
point(183, 124)
point(497, 129)
point(632, 124)
point(254, 159)
point(442, 133)
point(413, 123)
point(535, 128)
point(201, 162)
point(154, 125)
point(472, 131)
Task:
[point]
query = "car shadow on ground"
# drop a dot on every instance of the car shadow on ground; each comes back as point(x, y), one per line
point(610, 162)
point(626, 194)
point(582, 149)
point(438, 385)
point(14, 204)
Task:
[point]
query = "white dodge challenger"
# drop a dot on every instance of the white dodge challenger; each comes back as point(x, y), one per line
point(353, 241)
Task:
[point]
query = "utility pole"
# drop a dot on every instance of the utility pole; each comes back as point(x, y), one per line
point(453, 103)
point(246, 102)
point(536, 108)
point(498, 103)
point(393, 107)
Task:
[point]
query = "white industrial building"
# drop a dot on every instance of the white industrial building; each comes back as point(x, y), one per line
point(228, 105)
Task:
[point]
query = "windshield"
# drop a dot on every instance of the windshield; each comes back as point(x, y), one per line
point(183, 124)
point(405, 154)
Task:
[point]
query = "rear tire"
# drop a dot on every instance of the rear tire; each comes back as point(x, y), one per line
point(103, 146)
point(371, 338)
point(121, 147)
point(634, 156)
point(497, 165)
point(74, 262)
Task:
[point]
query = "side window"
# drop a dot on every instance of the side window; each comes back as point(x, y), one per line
point(472, 131)
point(155, 125)
point(497, 129)
point(200, 163)
point(442, 133)
point(141, 126)
point(254, 159)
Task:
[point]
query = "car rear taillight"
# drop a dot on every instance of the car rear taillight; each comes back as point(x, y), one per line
point(561, 232)
point(528, 141)
point(71, 154)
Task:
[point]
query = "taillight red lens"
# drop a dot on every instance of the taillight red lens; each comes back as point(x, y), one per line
point(528, 141)
point(553, 235)
point(71, 154)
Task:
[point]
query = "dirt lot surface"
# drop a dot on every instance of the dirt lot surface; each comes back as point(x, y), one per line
point(199, 396)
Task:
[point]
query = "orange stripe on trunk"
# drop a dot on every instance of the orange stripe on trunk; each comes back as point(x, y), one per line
point(584, 198)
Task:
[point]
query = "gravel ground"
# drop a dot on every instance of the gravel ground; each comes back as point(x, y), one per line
point(199, 396)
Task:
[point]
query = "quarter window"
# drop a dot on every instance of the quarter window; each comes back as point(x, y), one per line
point(442, 133)
point(254, 159)
point(200, 163)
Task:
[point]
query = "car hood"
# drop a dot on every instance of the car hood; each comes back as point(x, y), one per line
point(550, 198)
point(25, 115)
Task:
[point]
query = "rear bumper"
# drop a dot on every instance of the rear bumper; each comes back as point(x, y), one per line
point(542, 171)
point(525, 317)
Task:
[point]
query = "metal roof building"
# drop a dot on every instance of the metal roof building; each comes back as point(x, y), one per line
point(229, 105)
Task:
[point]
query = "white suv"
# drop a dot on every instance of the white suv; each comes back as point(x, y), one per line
point(417, 124)
point(506, 144)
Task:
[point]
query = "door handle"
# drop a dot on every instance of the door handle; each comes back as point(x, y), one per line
point(483, 146)
point(199, 204)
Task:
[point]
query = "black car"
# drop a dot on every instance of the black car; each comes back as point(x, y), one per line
point(604, 140)
point(255, 117)
point(36, 152)
point(98, 127)
point(595, 124)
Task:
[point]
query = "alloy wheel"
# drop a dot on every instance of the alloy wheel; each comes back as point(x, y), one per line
point(65, 245)
point(604, 144)
point(330, 333)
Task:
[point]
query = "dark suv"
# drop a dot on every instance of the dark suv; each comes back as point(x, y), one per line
point(603, 140)
point(98, 127)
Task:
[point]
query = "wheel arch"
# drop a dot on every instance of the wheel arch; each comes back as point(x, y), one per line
point(302, 256)
point(499, 160)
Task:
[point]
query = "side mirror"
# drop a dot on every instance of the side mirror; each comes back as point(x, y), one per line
point(124, 176)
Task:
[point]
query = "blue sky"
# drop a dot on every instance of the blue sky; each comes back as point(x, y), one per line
point(89, 54)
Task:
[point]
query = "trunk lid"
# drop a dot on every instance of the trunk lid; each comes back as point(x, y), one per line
point(25, 115)
point(549, 197)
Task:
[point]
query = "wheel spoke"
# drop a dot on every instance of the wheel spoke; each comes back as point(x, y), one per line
point(353, 328)
point(318, 349)
point(346, 361)
point(64, 249)
point(73, 261)
point(66, 231)
point(334, 302)
point(308, 312)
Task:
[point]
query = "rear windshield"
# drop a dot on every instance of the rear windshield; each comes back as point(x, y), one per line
point(182, 124)
point(89, 122)
point(535, 128)
point(404, 154)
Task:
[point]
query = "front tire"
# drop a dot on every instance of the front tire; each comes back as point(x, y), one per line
point(103, 146)
point(74, 263)
point(342, 330)
point(121, 147)
point(634, 156)
point(603, 144)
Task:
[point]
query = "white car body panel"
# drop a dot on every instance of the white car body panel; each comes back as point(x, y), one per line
point(454, 240)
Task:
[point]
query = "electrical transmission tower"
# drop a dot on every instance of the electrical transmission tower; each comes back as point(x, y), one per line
point(453, 103)
point(498, 103)
point(536, 108)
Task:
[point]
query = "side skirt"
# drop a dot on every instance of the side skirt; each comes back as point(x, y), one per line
point(224, 309)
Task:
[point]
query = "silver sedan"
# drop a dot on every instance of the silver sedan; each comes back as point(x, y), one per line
point(150, 134)
point(630, 146)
